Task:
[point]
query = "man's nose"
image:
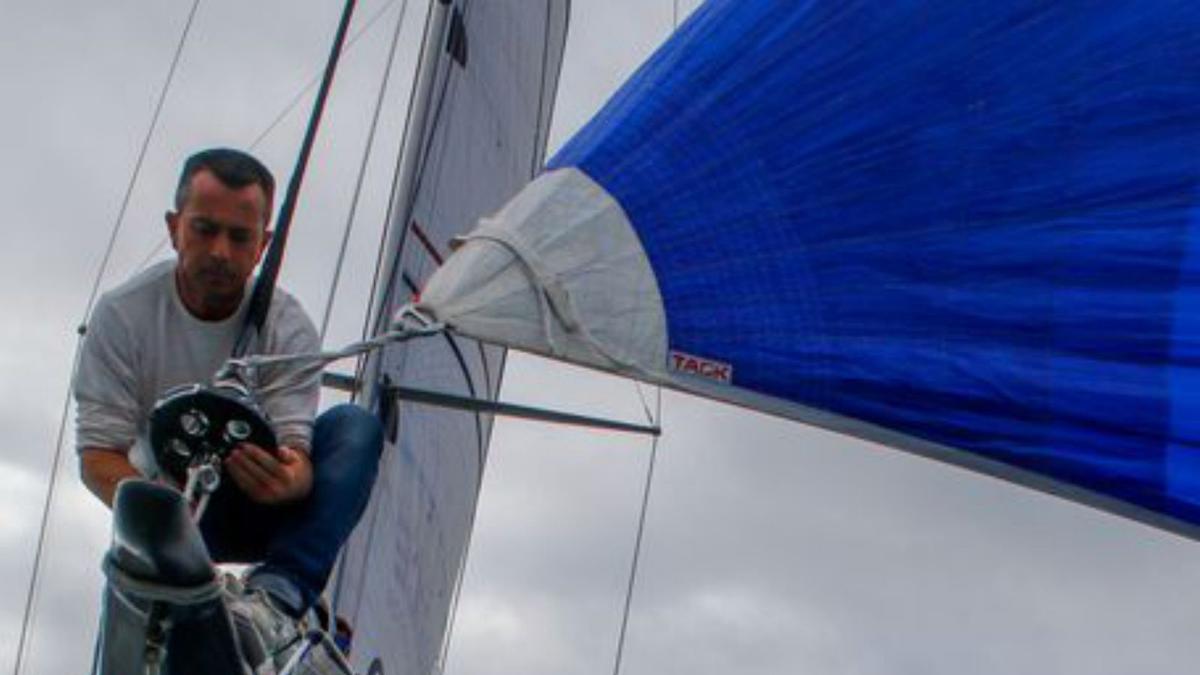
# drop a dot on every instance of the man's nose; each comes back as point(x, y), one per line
point(221, 246)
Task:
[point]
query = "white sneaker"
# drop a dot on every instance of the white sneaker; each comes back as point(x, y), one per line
point(268, 635)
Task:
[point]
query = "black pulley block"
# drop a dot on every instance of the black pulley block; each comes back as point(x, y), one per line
point(195, 421)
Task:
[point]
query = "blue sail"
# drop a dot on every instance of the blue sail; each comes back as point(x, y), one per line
point(963, 228)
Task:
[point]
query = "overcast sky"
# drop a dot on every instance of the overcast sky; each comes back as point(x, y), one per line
point(771, 548)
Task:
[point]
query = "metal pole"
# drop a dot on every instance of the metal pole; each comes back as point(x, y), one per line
point(408, 170)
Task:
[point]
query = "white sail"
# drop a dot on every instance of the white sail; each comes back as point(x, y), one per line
point(477, 133)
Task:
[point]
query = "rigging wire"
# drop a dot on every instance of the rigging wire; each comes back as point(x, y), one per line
point(426, 151)
point(137, 168)
point(359, 366)
point(642, 398)
point(39, 550)
point(641, 526)
point(264, 285)
point(637, 545)
point(287, 109)
point(390, 217)
point(461, 572)
point(362, 172)
point(637, 385)
point(316, 79)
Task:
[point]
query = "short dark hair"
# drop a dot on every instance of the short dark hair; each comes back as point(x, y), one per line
point(234, 168)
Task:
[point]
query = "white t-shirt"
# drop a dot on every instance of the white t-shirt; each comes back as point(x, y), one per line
point(142, 341)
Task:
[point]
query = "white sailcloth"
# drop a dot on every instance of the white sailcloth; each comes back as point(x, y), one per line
point(480, 138)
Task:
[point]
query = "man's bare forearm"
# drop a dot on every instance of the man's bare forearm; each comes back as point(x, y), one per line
point(102, 469)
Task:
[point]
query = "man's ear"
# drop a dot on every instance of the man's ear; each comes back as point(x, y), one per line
point(172, 218)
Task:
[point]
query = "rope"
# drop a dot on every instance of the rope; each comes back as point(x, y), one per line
point(409, 324)
point(39, 550)
point(362, 172)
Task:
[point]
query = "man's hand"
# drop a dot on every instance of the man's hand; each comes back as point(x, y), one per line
point(270, 478)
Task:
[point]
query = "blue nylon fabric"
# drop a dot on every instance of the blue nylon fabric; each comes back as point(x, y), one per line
point(969, 221)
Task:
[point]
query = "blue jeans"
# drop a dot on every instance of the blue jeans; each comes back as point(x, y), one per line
point(300, 542)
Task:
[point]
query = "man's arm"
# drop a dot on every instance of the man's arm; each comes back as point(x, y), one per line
point(102, 469)
point(105, 390)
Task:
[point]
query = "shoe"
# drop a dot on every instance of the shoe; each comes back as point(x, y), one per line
point(268, 635)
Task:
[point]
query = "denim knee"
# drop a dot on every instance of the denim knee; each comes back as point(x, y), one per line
point(347, 425)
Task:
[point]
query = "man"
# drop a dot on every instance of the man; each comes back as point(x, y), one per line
point(290, 508)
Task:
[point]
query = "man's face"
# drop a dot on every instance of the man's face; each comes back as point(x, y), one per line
point(219, 234)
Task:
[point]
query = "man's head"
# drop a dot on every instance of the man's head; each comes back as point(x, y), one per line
point(219, 228)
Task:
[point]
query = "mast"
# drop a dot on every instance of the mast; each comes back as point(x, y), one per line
point(403, 195)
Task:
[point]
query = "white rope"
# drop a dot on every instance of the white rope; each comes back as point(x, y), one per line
point(552, 299)
point(409, 324)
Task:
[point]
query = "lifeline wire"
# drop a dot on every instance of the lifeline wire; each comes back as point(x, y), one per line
point(362, 171)
point(27, 618)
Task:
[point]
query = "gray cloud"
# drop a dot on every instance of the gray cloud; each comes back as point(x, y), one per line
point(772, 548)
